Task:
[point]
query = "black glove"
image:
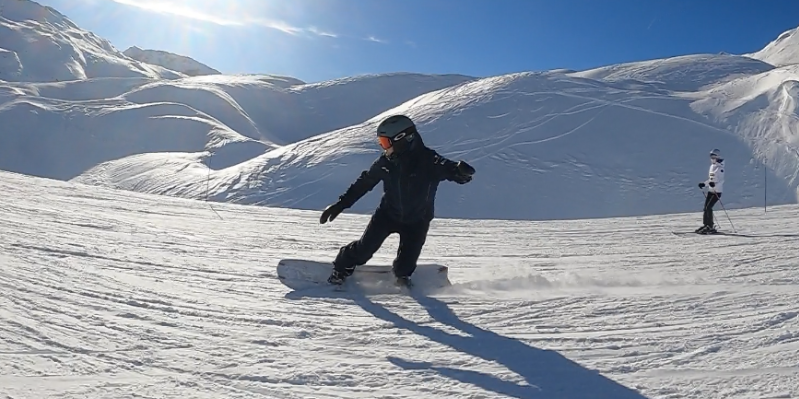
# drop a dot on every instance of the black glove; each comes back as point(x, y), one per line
point(712, 184)
point(331, 212)
point(462, 179)
point(701, 185)
point(464, 173)
point(465, 169)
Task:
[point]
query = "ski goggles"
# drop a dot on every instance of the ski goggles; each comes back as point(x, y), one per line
point(384, 142)
point(387, 142)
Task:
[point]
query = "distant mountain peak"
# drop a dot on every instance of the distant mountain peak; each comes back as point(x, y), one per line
point(782, 51)
point(42, 45)
point(172, 61)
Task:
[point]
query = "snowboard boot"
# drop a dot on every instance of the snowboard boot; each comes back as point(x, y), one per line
point(706, 230)
point(403, 282)
point(337, 277)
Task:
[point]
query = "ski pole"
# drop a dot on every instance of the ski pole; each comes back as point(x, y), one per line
point(208, 187)
point(728, 215)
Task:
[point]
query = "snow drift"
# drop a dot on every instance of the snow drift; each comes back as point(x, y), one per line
point(627, 139)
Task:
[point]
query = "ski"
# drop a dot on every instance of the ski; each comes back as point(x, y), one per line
point(718, 233)
point(682, 233)
point(685, 233)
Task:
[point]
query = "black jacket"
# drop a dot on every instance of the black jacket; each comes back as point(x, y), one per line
point(410, 183)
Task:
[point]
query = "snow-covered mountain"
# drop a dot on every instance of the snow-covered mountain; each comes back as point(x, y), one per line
point(627, 139)
point(782, 51)
point(276, 80)
point(39, 44)
point(683, 73)
point(171, 61)
point(61, 130)
point(606, 142)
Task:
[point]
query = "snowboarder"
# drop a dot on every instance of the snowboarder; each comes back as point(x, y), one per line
point(716, 182)
point(410, 173)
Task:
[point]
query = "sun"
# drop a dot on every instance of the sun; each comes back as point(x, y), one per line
point(193, 9)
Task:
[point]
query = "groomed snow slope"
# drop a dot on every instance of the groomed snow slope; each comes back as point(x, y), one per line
point(119, 294)
point(545, 145)
point(39, 44)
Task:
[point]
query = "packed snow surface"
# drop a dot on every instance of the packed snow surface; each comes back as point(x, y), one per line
point(117, 294)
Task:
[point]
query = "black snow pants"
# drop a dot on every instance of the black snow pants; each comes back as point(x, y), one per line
point(710, 200)
point(412, 238)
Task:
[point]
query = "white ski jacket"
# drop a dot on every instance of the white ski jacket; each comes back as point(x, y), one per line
point(716, 175)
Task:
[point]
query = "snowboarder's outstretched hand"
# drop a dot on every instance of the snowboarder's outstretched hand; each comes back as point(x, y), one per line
point(331, 212)
point(464, 174)
point(465, 169)
point(702, 185)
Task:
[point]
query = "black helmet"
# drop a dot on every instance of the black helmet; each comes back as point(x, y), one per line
point(396, 131)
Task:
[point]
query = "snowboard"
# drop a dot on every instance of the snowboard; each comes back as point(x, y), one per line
point(305, 273)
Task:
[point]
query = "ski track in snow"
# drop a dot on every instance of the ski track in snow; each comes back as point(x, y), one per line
point(117, 294)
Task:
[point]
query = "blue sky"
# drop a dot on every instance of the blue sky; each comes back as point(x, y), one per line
point(316, 40)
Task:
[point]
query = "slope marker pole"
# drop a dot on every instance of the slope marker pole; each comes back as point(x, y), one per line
point(208, 187)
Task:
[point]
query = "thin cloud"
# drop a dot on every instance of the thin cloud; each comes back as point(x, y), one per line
point(282, 26)
point(319, 32)
point(171, 8)
point(376, 40)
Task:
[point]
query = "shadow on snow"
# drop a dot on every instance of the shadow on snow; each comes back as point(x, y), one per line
point(548, 374)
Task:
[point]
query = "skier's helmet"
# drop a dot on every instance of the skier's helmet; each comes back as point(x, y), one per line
point(396, 131)
point(716, 153)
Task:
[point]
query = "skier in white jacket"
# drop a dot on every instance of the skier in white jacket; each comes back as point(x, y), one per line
point(715, 182)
